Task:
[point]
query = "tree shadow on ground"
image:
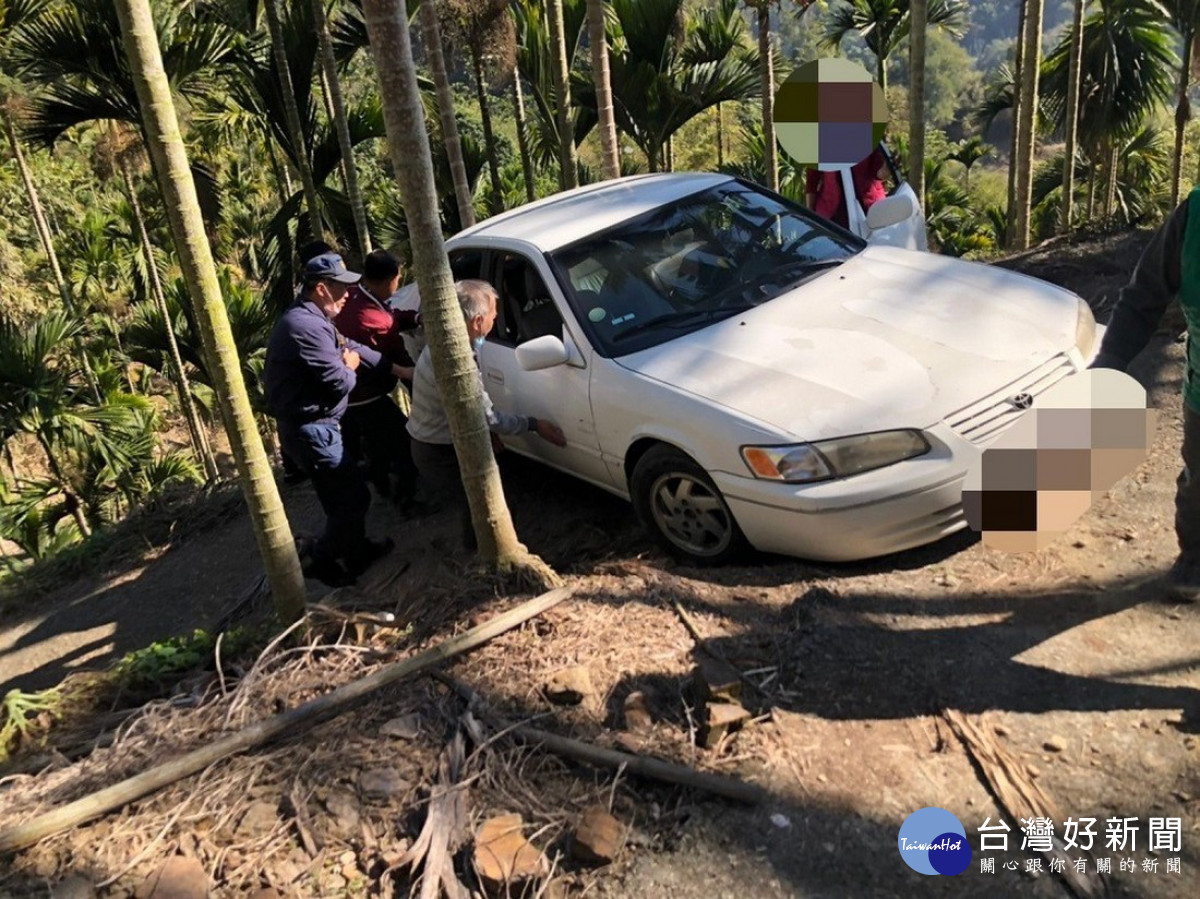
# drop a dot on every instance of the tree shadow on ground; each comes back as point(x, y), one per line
point(134, 599)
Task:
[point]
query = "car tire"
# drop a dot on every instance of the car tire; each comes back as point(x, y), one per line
point(678, 503)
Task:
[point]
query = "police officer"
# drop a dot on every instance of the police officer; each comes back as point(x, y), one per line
point(310, 371)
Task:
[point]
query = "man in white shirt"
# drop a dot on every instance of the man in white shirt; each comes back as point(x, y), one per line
point(429, 426)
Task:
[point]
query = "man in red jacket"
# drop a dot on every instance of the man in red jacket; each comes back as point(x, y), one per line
point(823, 190)
point(374, 423)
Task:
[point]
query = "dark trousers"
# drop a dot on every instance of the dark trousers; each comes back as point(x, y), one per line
point(1187, 488)
point(341, 490)
point(378, 431)
point(440, 476)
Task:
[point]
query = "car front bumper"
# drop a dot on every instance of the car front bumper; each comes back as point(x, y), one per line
point(887, 510)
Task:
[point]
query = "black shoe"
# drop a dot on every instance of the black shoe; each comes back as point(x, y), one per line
point(1183, 580)
point(328, 572)
point(370, 552)
point(295, 477)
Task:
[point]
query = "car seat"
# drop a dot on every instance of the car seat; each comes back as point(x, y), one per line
point(539, 316)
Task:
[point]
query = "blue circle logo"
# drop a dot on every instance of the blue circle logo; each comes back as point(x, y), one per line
point(933, 841)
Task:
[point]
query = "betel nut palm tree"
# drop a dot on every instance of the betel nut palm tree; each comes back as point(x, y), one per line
point(165, 144)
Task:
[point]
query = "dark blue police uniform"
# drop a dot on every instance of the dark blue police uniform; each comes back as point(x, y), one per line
point(308, 385)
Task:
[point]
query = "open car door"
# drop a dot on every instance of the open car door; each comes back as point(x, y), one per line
point(895, 221)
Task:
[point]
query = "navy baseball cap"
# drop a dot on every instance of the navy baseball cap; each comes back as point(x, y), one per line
point(329, 266)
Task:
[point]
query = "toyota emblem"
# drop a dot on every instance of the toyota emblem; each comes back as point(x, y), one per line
point(1021, 401)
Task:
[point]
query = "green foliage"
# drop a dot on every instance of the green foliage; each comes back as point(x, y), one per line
point(250, 319)
point(74, 49)
point(667, 69)
point(19, 714)
point(35, 518)
point(1128, 68)
point(884, 24)
point(165, 661)
point(101, 453)
point(952, 84)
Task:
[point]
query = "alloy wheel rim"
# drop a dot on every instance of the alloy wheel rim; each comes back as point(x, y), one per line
point(691, 514)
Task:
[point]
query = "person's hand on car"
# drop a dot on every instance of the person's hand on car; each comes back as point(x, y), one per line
point(551, 432)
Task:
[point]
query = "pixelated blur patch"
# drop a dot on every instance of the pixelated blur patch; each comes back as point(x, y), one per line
point(830, 113)
point(1077, 441)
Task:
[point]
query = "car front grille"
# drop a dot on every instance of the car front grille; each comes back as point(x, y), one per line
point(984, 420)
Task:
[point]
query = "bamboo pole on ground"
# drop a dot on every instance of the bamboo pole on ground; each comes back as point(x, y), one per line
point(289, 723)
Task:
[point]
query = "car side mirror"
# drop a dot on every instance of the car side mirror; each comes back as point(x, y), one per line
point(890, 211)
point(542, 352)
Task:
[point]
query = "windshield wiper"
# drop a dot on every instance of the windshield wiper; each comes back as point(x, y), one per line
point(680, 318)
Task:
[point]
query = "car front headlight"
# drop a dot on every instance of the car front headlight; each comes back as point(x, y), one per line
point(822, 460)
point(1085, 329)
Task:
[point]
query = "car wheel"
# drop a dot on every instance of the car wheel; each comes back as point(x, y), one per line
point(683, 508)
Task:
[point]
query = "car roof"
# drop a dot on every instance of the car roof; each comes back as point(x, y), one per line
point(566, 217)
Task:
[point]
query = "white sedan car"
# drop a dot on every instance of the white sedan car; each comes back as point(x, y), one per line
point(747, 373)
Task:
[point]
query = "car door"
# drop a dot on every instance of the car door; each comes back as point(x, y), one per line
point(909, 233)
point(530, 307)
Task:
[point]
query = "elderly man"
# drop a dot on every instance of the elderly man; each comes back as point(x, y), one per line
point(373, 421)
point(310, 371)
point(429, 426)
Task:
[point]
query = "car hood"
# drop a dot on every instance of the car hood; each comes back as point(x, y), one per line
point(890, 339)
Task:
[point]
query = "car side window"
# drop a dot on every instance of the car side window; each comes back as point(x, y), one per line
point(466, 264)
point(526, 309)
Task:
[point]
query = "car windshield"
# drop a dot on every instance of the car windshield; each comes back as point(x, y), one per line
point(694, 262)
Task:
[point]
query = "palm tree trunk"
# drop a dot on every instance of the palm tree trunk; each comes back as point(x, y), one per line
point(74, 503)
point(283, 181)
point(291, 111)
point(720, 136)
point(523, 136)
point(271, 528)
point(1031, 63)
point(1072, 129)
point(489, 137)
point(1110, 194)
point(39, 216)
point(560, 71)
point(452, 360)
point(1183, 112)
point(918, 16)
point(1093, 175)
point(200, 443)
point(1014, 150)
point(598, 41)
point(333, 93)
point(6, 449)
point(881, 71)
point(445, 102)
point(46, 237)
point(766, 69)
point(670, 153)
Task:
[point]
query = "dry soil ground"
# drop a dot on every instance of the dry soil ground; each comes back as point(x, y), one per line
point(1072, 661)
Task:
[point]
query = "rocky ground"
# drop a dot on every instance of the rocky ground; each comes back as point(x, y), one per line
point(1061, 684)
